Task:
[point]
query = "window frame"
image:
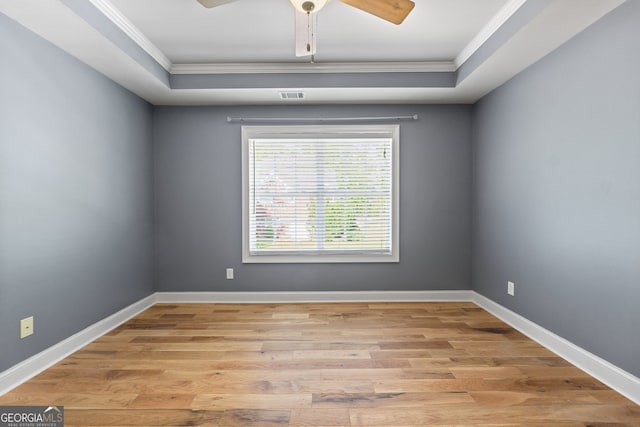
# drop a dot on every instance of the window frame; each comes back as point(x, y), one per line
point(322, 131)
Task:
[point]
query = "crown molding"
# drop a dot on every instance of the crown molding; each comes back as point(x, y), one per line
point(488, 30)
point(302, 68)
point(124, 24)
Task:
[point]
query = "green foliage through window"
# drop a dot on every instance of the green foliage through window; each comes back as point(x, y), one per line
point(320, 195)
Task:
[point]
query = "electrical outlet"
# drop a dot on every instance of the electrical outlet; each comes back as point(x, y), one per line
point(26, 327)
point(229, 273)
point(511, 288)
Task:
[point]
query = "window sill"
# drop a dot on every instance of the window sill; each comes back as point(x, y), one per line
point(319, 259)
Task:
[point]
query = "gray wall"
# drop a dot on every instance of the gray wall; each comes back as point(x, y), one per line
point(198, 204)
point(555, 179)
point(75, 186)
point(557, 190)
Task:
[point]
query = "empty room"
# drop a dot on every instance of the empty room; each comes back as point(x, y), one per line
point(319, 213)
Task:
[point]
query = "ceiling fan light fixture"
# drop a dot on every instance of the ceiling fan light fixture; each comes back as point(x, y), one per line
point(308, 6)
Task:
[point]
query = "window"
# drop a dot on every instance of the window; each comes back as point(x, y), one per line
point(320, 193)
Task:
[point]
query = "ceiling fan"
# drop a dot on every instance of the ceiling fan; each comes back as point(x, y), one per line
point(394, 11)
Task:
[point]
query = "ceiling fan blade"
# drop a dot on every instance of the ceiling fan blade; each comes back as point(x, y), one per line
point(390, 10)
point(214, 3)
point(305, 34)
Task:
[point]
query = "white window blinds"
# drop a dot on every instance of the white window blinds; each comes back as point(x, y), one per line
point(317, 195)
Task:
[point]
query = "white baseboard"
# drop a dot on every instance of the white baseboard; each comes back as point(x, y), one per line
point(302, 297)
point(29, 368)
point(616, 378)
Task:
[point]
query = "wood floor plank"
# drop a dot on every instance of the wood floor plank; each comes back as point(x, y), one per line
point(93, 400)
point(254, 417)
point(252, 401)
point(165, 401)
point(389, 400)
point(552, 414)
point(142, 417)
point(345, 364)
point(320, 417)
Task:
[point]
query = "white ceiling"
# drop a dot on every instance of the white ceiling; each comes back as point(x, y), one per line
point(147, 46)
point(263, 30)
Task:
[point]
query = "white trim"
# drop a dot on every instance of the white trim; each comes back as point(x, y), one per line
point(311, 297)
point(488, 30)
point(621, 381)
point(29, 368)
point(122, 22)
point(317, 132)
point(306, 67)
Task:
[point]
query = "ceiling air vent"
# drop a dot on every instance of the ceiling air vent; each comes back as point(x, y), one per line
point(292, 95)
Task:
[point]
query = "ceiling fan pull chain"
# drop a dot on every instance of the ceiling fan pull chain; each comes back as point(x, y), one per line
point(309, 34)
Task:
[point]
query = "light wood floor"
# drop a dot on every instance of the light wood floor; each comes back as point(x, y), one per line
point(391, 364)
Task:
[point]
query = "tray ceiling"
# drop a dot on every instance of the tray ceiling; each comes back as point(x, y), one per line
point(177, 52)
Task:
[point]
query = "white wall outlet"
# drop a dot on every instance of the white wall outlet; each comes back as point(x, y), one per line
point(26, 327)
point(229, 273)
point(511, 288)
